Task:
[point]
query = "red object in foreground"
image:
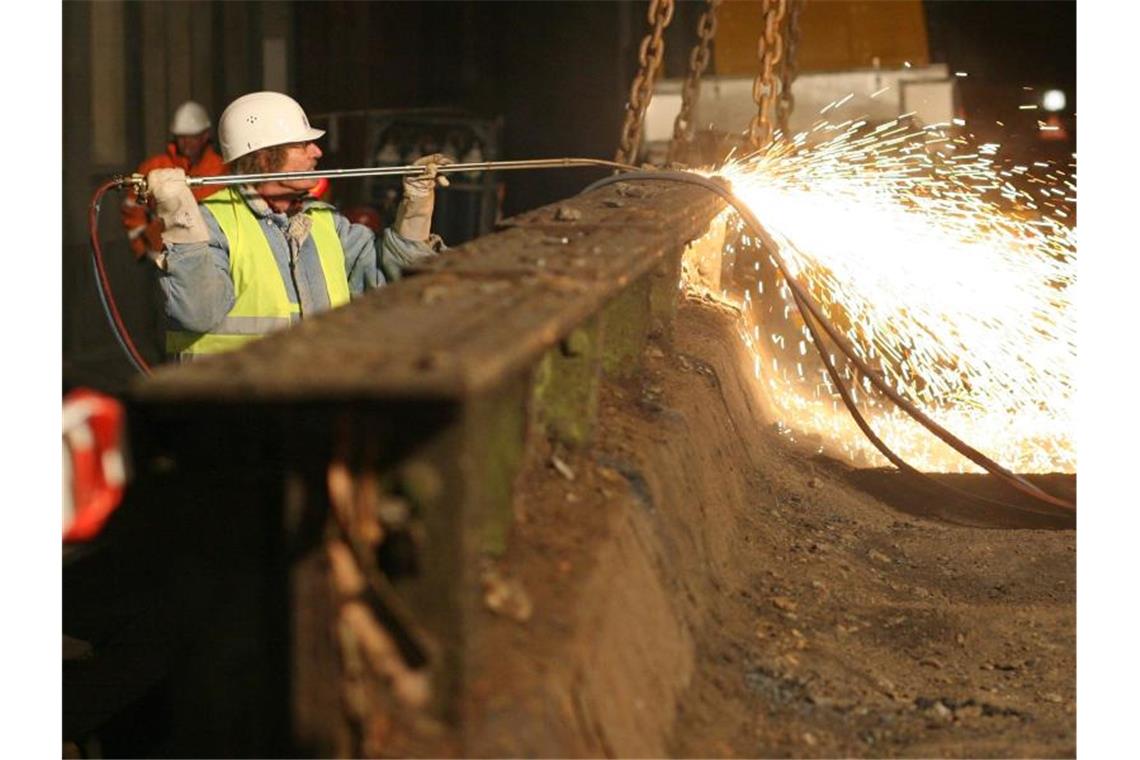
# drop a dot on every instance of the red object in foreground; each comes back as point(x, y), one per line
point(94, 469)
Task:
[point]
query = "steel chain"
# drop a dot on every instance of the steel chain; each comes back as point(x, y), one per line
point(789, 70)
point(691, 90)
point(641, 91)
point(770, 49)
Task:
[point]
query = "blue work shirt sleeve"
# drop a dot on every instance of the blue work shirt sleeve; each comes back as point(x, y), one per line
point(371, 262)
point(359, 246)
point(196, 283)
point(398, 253)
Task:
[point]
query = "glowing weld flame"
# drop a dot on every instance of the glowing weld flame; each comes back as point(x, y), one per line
point(951, 274)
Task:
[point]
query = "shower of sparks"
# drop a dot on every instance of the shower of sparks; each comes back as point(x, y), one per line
point(951, 274)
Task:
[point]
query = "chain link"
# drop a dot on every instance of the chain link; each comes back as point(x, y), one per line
point(691, 90)
point(789, 70)
point(641, 91)
point(765, 90)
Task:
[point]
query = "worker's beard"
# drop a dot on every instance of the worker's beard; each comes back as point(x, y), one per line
point(289, 189)
point(283, 190)
point(283, 198)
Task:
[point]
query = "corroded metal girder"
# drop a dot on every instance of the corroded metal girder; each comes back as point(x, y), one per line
point(386, 434)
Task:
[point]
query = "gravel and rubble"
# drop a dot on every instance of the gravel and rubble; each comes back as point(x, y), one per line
point(819, 621)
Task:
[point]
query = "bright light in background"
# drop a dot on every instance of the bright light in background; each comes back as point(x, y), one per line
point(1053, 100)
point(960, 301)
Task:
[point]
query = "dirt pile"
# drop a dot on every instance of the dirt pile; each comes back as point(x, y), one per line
point(694, 587)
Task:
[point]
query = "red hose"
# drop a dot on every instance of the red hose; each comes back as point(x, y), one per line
point(104, 282)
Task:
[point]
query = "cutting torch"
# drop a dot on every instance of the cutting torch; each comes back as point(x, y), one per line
point(138, 181)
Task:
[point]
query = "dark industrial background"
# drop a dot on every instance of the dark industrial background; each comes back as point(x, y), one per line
point(554, 74)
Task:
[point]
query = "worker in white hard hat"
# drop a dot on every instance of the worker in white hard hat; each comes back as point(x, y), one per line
point(189, 149)
point(257, 257)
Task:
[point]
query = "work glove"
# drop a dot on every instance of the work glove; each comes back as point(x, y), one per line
point(176, 207)
point(413, 218)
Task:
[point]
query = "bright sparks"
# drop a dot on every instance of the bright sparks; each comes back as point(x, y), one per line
point(951, 274)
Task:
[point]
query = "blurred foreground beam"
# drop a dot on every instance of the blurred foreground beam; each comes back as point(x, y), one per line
point(407, 413)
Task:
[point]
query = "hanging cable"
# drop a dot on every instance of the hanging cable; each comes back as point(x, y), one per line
point(641, 90)
point(788, 65)
point(691, 90)
point(803, 299)
point(767, 86)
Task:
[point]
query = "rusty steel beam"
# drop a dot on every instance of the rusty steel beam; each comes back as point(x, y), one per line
point(421, 400)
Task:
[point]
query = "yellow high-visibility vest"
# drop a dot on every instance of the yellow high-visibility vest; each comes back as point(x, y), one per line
point(261, 300)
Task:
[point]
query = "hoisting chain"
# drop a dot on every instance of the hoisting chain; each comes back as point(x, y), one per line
point(641, 91)
point(770, 49)
point(788, 71)
point(691, 90)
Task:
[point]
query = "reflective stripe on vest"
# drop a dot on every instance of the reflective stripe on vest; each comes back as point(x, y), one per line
point(261, 301)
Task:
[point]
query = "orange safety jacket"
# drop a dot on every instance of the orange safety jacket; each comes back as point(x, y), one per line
point(144, 228)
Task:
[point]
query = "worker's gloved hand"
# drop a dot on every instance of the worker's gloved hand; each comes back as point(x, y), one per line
point(176, 207)
point(417, 186)
point(413, 218)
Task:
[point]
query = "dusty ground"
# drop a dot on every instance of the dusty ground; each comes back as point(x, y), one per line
point(697, 588)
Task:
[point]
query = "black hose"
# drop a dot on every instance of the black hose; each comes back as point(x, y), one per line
point(861, 421)
point(804, 300)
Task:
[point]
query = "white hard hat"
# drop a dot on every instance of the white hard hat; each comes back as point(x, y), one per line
point(261, 120)
point(189, 119)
